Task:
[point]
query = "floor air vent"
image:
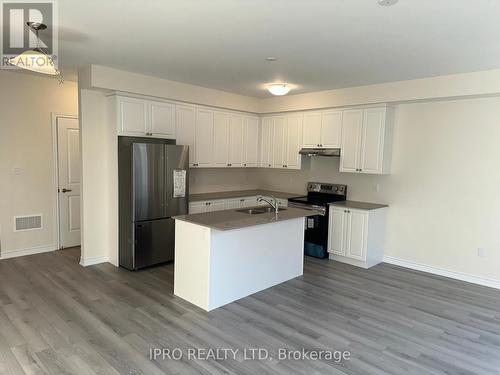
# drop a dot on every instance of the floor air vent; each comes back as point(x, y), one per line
point(27, 222)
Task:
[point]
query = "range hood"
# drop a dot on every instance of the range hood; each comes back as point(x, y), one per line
point(320, 152)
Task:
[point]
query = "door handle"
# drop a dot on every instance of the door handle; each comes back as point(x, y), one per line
point(66, 190)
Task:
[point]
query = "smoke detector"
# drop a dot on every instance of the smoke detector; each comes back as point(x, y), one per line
point(387, 3)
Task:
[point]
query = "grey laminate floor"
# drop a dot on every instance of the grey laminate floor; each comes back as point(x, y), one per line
point(59, 318)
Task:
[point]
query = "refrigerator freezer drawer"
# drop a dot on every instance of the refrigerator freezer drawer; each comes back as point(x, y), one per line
point(154, 242)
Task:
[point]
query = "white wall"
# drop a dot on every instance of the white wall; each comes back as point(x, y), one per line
point(99, 180)
point(207, 180)
point(27, 102)
point(484, 83)
point(106, 78)
point(444, 190)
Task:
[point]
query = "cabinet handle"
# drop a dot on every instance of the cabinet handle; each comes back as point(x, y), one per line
point(269, 165)
point(245, 164)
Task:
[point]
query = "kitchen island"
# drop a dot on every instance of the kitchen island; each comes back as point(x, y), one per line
point(223, 256)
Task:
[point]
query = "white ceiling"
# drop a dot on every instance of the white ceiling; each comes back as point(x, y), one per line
point(320, 44)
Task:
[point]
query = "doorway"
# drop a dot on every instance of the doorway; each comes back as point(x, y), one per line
point(67, 141)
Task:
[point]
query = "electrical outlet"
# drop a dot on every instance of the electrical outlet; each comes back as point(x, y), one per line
point(481, 252)
point(16, 171)
point(375, 188)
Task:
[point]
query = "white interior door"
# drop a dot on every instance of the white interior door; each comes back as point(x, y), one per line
point(68, 154)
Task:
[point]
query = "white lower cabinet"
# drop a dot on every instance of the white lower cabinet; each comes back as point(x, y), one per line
point(356, 236)
point(228, 204)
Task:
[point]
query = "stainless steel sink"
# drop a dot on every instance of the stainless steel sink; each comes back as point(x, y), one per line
point(258, 210)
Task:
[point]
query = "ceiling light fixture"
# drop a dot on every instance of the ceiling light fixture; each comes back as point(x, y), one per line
point(387, 3)
point(271, 59)
point(37, 59)
point(279, 89)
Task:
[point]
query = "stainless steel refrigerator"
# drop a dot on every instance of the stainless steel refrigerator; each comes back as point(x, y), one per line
point(153, 187)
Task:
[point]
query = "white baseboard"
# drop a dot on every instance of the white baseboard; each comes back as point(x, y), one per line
point(492, 283)
point(6, 254)
point(90, 261)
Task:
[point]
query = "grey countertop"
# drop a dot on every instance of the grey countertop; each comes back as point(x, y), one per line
point(240, 194)
point(358, 205)
point(232, 219)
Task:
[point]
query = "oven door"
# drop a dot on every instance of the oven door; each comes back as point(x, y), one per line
point(316, 230)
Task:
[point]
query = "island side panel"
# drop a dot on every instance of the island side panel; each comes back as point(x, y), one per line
point(245, 261)
point(192, 263)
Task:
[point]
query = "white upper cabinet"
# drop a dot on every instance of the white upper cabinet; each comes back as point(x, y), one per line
point(322, 129)
point(162, 119)
point(279, 141)
point(351, 140)
point(331, 129)
point(203, 155)
point(235, 158)
point(221, 138)
point(292, 159)
point(372, 144)
point(140, 117)
point(367, 140)
point(185, 121)
point(312, 130)
point(251, 141)
point(132, 116)
point(266, 142)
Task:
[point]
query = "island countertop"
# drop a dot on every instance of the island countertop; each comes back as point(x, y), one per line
point(235, 219)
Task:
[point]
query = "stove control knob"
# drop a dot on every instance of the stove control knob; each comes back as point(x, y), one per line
point(341, 188)
point(335, 189)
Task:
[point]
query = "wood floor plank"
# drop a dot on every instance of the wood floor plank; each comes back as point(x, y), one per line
point(57, 317)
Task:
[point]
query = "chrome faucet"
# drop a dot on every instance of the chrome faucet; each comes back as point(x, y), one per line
point(273, 204)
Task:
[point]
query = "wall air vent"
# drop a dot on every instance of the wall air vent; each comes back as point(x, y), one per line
point(32, 222)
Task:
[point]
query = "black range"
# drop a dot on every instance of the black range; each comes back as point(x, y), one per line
point(319, 195)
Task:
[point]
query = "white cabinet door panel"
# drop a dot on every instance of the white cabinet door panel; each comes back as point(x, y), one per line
point(337, 231)
point(221, 138)
point(162, 119)
point(279, 137)
point(204, 137)
point(373, 140)
point(233, 203)
point(133, 117)
point(331, 129)
point(217, 206)
point(251, 141)
point(236, 141)
point(357, 234)
point(185, 129)
point(294, 140)
point(197, 207)
point(266, 142)
point(351, 140)
point(311, 133)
